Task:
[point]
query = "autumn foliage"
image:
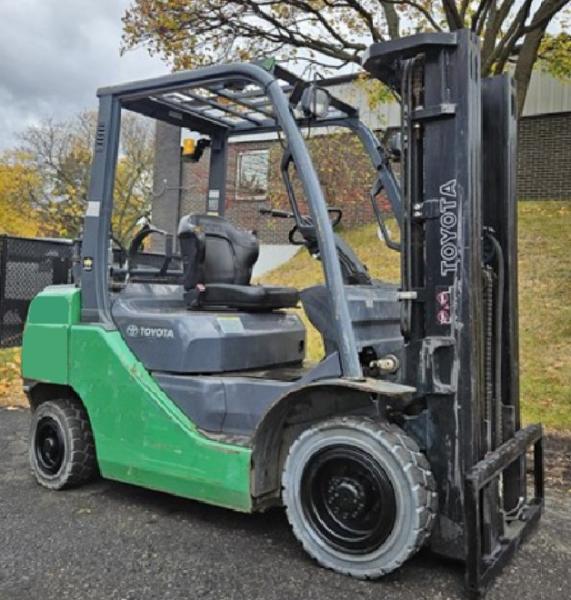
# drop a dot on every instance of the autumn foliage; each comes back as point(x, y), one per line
point(18, 185)
point(332, 33)
point(44, 184)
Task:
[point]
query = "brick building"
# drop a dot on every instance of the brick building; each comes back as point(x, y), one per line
point(254, 179)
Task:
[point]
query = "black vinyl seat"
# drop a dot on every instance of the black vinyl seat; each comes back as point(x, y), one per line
point(218, 260)
point(247, 297)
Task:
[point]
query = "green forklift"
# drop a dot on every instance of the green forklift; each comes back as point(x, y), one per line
point(173, 371)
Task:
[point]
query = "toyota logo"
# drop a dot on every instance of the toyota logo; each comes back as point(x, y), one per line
point(132, 330)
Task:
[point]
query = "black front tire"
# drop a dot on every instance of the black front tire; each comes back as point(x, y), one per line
point(62, 449)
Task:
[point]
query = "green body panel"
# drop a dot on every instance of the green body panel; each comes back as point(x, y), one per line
point(45, 346)
point(141, 437)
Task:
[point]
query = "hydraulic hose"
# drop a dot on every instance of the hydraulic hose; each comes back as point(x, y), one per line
point(489, 413)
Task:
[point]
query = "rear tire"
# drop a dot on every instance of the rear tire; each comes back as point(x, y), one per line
point(359, 495)
point(62, 450)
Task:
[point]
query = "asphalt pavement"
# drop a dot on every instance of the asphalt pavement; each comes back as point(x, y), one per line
point(110, 541)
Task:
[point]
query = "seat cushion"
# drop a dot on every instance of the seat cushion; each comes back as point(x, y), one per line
point(243, 297)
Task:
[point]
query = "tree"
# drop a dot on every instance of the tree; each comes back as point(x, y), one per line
point(60, 154)
point(191, 33)
point(18, 185)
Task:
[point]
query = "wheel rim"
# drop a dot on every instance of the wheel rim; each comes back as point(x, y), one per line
point(49, 446)
point(348, 499)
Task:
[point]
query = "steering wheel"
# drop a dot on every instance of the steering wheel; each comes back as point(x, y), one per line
point(305, 229)
point(291, 237)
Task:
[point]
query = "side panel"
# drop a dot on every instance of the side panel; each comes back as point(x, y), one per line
point(141, 437)
point(166, 336)
point(45, 346)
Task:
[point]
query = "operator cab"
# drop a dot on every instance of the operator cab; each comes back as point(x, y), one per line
point(194, 310)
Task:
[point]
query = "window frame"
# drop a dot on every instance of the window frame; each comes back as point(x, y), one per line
point(251, 197)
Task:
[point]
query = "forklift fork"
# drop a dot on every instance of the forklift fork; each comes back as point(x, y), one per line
point(483, 565)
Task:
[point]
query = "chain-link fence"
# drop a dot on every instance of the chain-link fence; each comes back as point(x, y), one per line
point(27, 266)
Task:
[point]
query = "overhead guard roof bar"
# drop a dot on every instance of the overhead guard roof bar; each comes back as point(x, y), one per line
point(211, 104)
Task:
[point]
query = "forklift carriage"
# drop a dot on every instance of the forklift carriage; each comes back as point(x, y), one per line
point(176, 373)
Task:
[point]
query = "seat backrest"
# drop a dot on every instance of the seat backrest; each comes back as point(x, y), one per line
point(214, 251)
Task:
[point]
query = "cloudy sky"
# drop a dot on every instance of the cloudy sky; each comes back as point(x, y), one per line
point(54, 54)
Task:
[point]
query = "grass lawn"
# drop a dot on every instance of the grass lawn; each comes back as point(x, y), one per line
point(545, 308)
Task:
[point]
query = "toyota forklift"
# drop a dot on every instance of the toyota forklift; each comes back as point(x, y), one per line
point(176, 373)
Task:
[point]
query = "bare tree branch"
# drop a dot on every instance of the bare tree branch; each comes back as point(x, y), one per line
point(505, 46)
point(479, 16)
point(452, 15)
point(392, 17)
point(423, 11)
point(496, 17)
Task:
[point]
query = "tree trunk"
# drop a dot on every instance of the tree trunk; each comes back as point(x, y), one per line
point(524, 66)
point(392, 18)
point(530, 46)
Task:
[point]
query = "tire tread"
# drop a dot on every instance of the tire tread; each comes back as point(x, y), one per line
point(82, 466)
point(417, 470)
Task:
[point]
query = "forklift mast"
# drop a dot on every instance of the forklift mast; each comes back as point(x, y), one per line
point(459, 278)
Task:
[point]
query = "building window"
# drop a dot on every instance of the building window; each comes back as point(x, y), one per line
point(252, 173)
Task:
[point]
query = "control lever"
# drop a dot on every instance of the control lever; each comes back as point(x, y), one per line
point(274, 212)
